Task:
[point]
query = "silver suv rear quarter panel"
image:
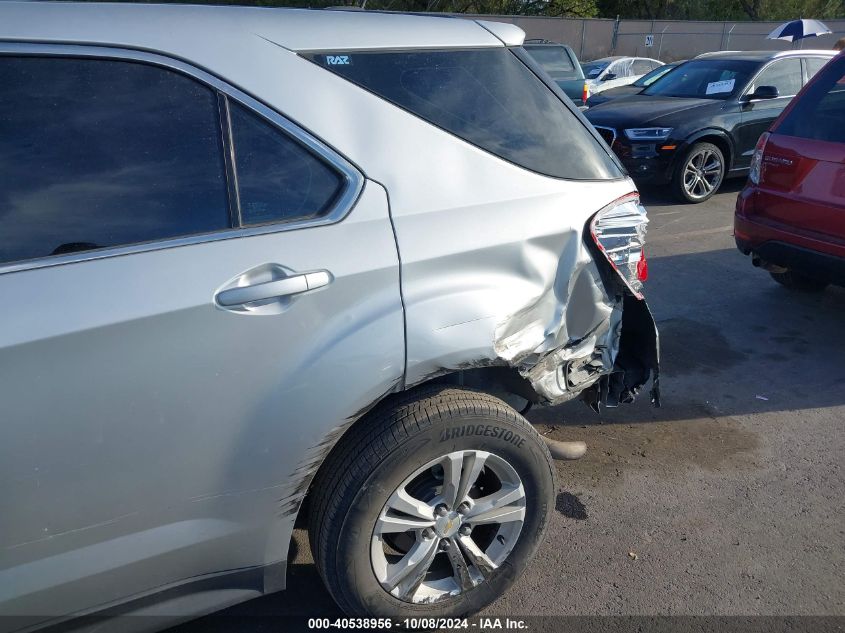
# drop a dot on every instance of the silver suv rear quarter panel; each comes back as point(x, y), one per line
point(492, 254)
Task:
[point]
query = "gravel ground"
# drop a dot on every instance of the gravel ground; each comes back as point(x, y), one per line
point(728, 500)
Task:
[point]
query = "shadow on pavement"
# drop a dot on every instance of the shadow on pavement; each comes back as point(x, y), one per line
point(663, 197)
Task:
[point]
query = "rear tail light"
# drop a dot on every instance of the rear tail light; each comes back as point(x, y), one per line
point(755, 173)
point(619, 232)
point(586, 93)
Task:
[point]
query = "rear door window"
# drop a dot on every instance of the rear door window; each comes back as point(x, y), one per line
point(820, 112)
point(785, 75)
point(814, 65)
point(278, 179)
point(556, 61)
point(98, 153)
point(486, 97)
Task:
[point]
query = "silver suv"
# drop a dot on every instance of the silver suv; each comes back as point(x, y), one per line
point(259, 263)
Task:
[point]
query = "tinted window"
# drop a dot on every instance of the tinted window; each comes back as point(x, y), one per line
point(814, 65)
point(785, 75)
point(820, 111)
point(654, 75)
point(556, 61)
point(98, 153)
point(705, 78)
point(488, 98)
point(594, 69)
point(278, 179)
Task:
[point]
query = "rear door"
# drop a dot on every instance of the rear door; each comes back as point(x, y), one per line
point(803, 176)
point(190, 303)
point(758, 114)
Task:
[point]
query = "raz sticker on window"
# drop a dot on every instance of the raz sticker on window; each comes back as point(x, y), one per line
point(337, 60)
point(716, 87)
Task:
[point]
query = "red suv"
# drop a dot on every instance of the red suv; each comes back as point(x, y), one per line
point(790, 216)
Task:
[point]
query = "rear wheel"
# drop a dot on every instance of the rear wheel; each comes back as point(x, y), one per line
point(700, 173)
point(796, 281)
point(433, 507)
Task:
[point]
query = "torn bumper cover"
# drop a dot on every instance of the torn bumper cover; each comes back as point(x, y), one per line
point(610, 341)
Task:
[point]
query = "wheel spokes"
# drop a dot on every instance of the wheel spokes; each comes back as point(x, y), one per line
point(506, 504)
point(476, 556)
point(702, 173)
point(460, 472)
point(452, 466)
point(393, 524)
point(403, 502)
point(429, 520)
point(459, 565)
point(407, 575)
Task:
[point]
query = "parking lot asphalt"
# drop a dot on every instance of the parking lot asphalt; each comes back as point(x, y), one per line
point(726, 501)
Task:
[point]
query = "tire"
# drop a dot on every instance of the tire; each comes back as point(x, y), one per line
point(349, 518)
point(797, 281)
point(699, 174)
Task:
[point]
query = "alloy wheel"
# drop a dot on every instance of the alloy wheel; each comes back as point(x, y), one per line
point(702, 174)
point(448, 526)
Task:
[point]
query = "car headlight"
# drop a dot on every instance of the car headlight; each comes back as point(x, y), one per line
point(648, 133)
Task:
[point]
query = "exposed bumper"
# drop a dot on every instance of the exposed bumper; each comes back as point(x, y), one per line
point(605, 369)
point(645, 162)
point(786, 246)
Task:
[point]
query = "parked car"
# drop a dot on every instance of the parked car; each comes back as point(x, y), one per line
point(699, 124)
point(261, 264)
point(562, 65)
point(612, 72)
point(790, 216)
point(631, 89)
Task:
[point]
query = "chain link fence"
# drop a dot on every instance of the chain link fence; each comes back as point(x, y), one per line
point(666, 40)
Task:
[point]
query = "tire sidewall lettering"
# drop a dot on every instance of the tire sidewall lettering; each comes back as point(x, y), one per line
point(483, 430)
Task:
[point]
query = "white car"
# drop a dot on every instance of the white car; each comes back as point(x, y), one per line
point(612, 72)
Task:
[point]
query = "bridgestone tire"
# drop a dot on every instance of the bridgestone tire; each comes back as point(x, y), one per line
point(379, 453)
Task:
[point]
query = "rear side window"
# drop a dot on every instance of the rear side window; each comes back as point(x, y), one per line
point(278, 179)
point(819, 112)
point(642, 66)
point(488, 98)
point(785, 75)
point(556, 61)
point(97, 153)
point(814, 65)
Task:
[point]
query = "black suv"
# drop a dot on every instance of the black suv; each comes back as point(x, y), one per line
point(699, 124)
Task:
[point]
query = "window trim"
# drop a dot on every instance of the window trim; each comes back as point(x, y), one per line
point(353, 178)
point(749, 87)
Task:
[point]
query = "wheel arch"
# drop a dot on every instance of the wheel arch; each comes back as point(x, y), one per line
point(500, 381)
point(717, 137)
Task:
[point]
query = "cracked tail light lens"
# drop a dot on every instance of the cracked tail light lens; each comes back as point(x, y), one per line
point(756, 170)
point(619, 232)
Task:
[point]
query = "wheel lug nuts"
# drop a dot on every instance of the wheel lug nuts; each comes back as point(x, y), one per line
point(428, 534)
point(463, 508)
point(444, 544)
point(466, 530)
point(441, 510)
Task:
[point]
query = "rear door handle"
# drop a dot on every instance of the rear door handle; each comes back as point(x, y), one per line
point(273, 289)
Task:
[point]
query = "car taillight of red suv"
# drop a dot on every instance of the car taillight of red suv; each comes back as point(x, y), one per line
point(790, 216)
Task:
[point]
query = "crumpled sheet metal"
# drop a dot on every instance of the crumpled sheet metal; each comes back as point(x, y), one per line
point(572, 318)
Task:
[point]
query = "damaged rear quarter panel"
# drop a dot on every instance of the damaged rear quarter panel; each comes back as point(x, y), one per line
point(511, 283)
